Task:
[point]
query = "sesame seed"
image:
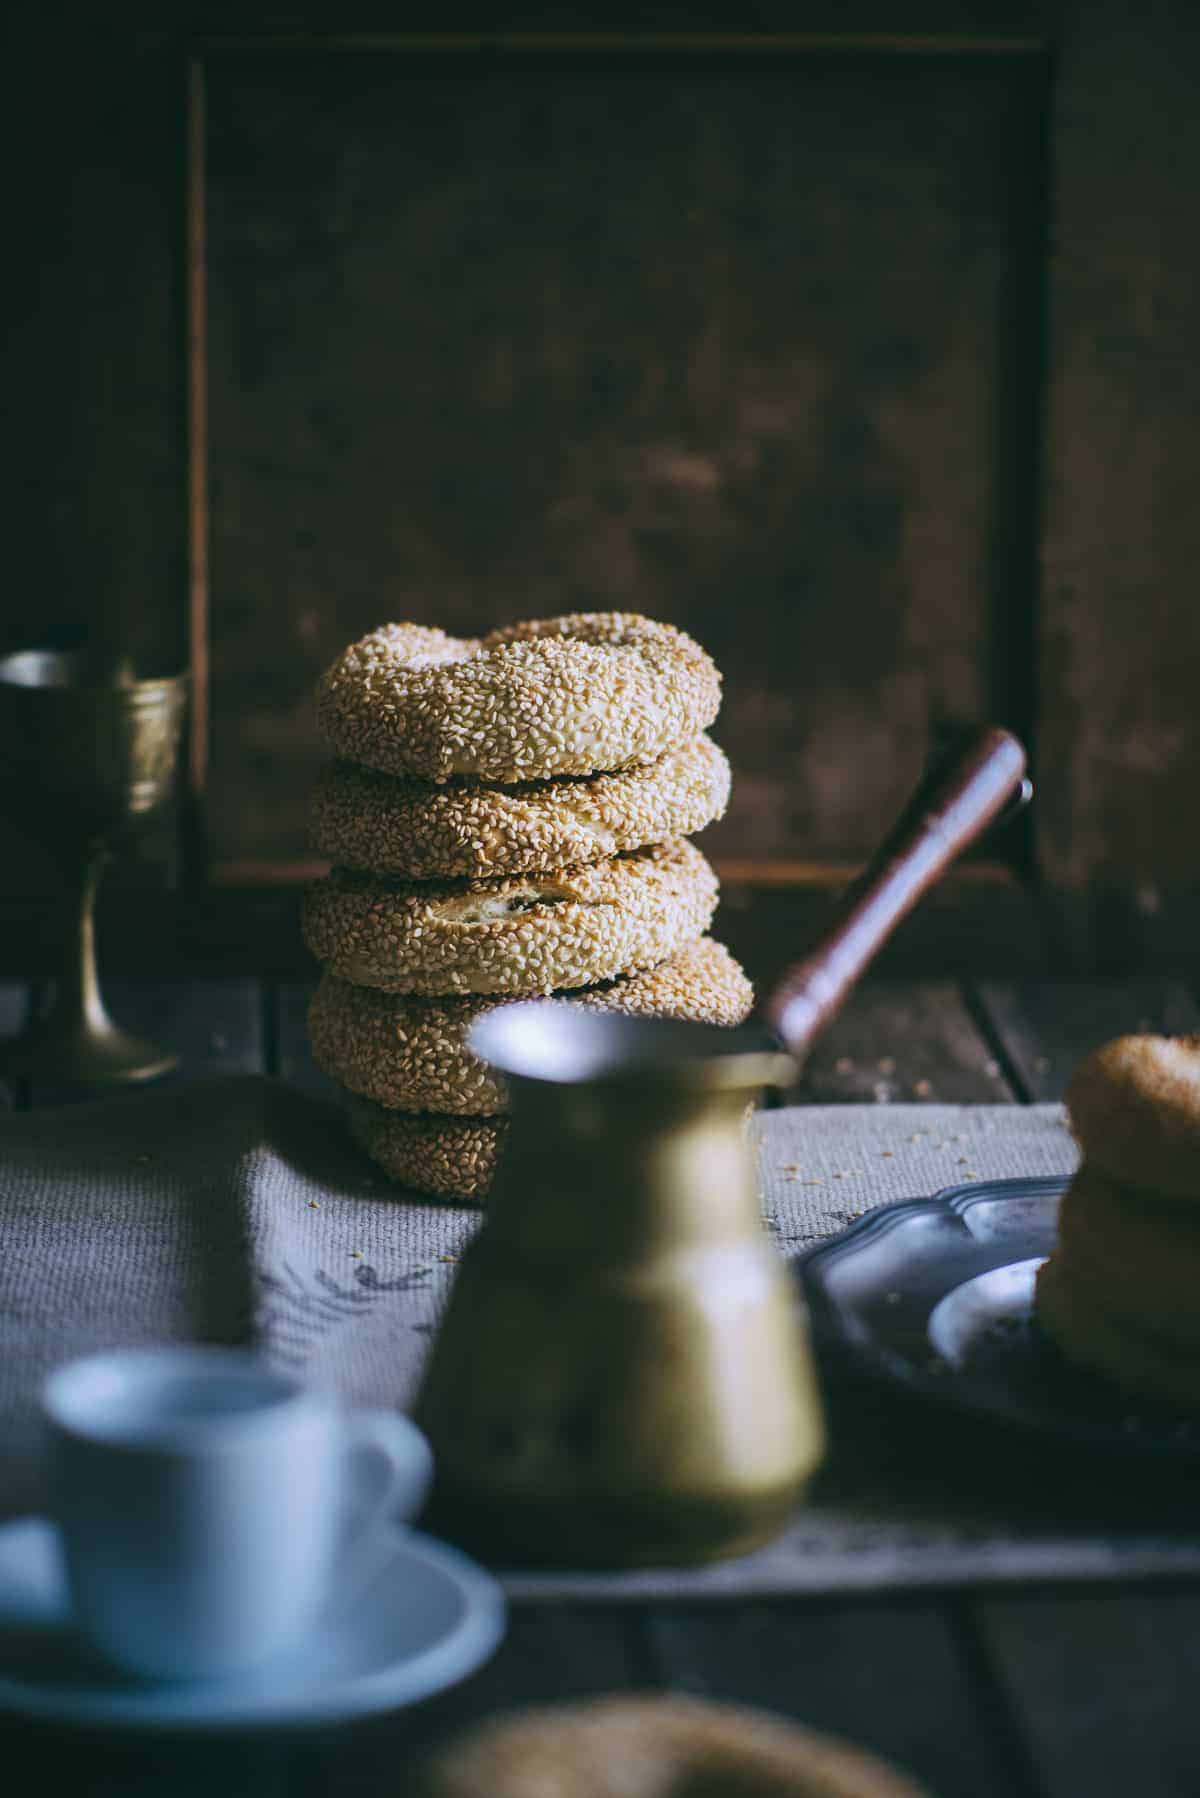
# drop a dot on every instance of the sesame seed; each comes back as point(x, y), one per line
point(364, 819)
point(449, 896)
point(532, 700)
point(581, 926)
point(409, 1053)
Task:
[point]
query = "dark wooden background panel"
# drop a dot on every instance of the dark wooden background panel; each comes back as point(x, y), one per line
point(718, 341)
point(93, 500)
point(1120, 627)
point(93, 507)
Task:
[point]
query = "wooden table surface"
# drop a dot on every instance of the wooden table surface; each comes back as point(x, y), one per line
point(1037, 1692)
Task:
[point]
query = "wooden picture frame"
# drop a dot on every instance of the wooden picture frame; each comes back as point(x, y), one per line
point(200, 56)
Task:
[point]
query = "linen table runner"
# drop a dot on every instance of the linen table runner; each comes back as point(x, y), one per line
point(237, 1210)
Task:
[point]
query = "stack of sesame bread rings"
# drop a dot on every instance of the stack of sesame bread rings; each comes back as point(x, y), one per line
point(507, 817)
point(1118, 1295)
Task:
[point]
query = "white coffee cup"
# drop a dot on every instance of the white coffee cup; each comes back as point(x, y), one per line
point(209, 1505)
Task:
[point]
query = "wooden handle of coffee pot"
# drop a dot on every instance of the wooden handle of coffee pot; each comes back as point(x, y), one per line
point(951, 807)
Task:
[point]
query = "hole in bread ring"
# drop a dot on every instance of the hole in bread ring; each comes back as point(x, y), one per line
point(593, 923)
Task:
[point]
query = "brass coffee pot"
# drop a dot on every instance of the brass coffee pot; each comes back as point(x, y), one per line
point(623, 1375)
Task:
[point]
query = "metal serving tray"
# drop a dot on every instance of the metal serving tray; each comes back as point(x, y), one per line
point(935, 1296)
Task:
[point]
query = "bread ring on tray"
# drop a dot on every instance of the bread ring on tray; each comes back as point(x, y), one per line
point(524, 934)
point(363, 819)
point(448, 1157)
point(410, 1054)
point(1135, 1108)
point(1089, 1334)
point(635, 1747)
point(1137, 1252)
point(552, 696)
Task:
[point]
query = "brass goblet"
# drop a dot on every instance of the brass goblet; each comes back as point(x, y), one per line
point(87, 753)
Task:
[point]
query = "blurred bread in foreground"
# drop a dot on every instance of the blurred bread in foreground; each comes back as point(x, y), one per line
point(1119, 1293)
point(654, 1748)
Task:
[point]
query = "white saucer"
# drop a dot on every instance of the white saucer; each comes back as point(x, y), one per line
point(429, 1618)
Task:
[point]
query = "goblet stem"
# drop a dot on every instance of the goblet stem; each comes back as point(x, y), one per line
point(78, 1010)
point(77, 1041)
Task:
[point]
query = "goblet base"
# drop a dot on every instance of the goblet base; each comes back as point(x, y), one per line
point(91, 1055)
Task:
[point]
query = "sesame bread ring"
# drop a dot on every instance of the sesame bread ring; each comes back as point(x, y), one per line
point(635, 1747)
point(363, 819)
point(1091, 1336)
point(526, 934)
point(1137, 1252)
point(448, 1157)
point(552, 696)
point(1135, 1109)
point(410, 1054)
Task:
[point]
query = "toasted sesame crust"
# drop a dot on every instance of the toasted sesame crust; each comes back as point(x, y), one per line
point(410, 1055)
point(653, 1747)
point(520, 935)
point(447, 1157)
point(1134, 1106)
point(1135, 1251)
point(572, 695)
point(1092, 1336)
point(422, 831)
